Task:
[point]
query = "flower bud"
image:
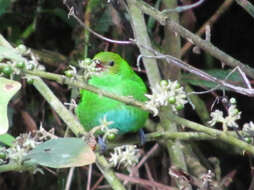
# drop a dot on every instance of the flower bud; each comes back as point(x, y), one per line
point(179, 107)
point(172, 100)
point(68, 73)
point(163, 83)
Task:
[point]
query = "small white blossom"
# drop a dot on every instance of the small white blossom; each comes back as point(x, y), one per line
point(114, 157)
point(89, 67)
point(126, 156)
point(229, 120)
point(217, 116)
point(167, 92)
point(233, 115)
point(74, 70)
point(104, 127)
point(249, 128)
point(232, 100)
point(30, 143)
point(30, 65)
point(16, 154)
point(104, 123)
point(41, 67)
point(151, 105)
point(23, 50)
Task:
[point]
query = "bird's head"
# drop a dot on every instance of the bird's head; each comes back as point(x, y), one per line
point(112, 63)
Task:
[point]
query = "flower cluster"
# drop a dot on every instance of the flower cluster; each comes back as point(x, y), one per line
point(229, 120)
point(125, 155)
point(248, 128)
point(167, 92)
point(25, 143)
point(89, 67)
point(13, 61)
point(108, 133)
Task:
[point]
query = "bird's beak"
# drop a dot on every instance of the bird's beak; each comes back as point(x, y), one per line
point(99, 65)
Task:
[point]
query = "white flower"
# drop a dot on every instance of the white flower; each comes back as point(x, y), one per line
point(229, 120)
point(126, 156)
point(104, 127)
point(249, 128)
point(89, 67)
point(104, 123)
point(233, 115)
point(217, 116)
point(167, 92)
point(30, 143)
point(16, 153)
point(23, 50)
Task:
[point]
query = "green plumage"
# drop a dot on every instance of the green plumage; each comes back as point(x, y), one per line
point(116, 77)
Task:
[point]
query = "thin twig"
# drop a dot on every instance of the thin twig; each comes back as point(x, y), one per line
point(89, 177)
point(72, 13)
point(145, 157)
point(248, 7)
point(202, 74)
point(144, 182)
point(180, 9)
point(225, 6)
point(245, 79)
point(97, 183)
point(108, 173)
point(149, 174)
point(61, 110)
point(69, 179)
point(80, 84)
point(224, 136)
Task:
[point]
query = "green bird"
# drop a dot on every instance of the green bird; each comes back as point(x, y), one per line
point(117, 77)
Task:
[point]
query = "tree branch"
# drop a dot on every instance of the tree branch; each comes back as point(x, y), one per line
point(210, 22)
point(224, 136)
point(247, 6)
point(203, 44)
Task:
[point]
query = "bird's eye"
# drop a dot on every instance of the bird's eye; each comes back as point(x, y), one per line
point(111, 63)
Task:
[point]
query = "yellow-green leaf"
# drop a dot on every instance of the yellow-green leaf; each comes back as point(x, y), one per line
point(7, 139)
point(8, 88)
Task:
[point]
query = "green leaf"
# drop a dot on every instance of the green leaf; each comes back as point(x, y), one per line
point(7, 139)
point(62, 153)
point(151, 21)
point(4, 4)
point(8, 88)
point(218, 73)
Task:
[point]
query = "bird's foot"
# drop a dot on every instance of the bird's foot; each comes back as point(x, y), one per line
point(142, 137)
point(102, 144)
